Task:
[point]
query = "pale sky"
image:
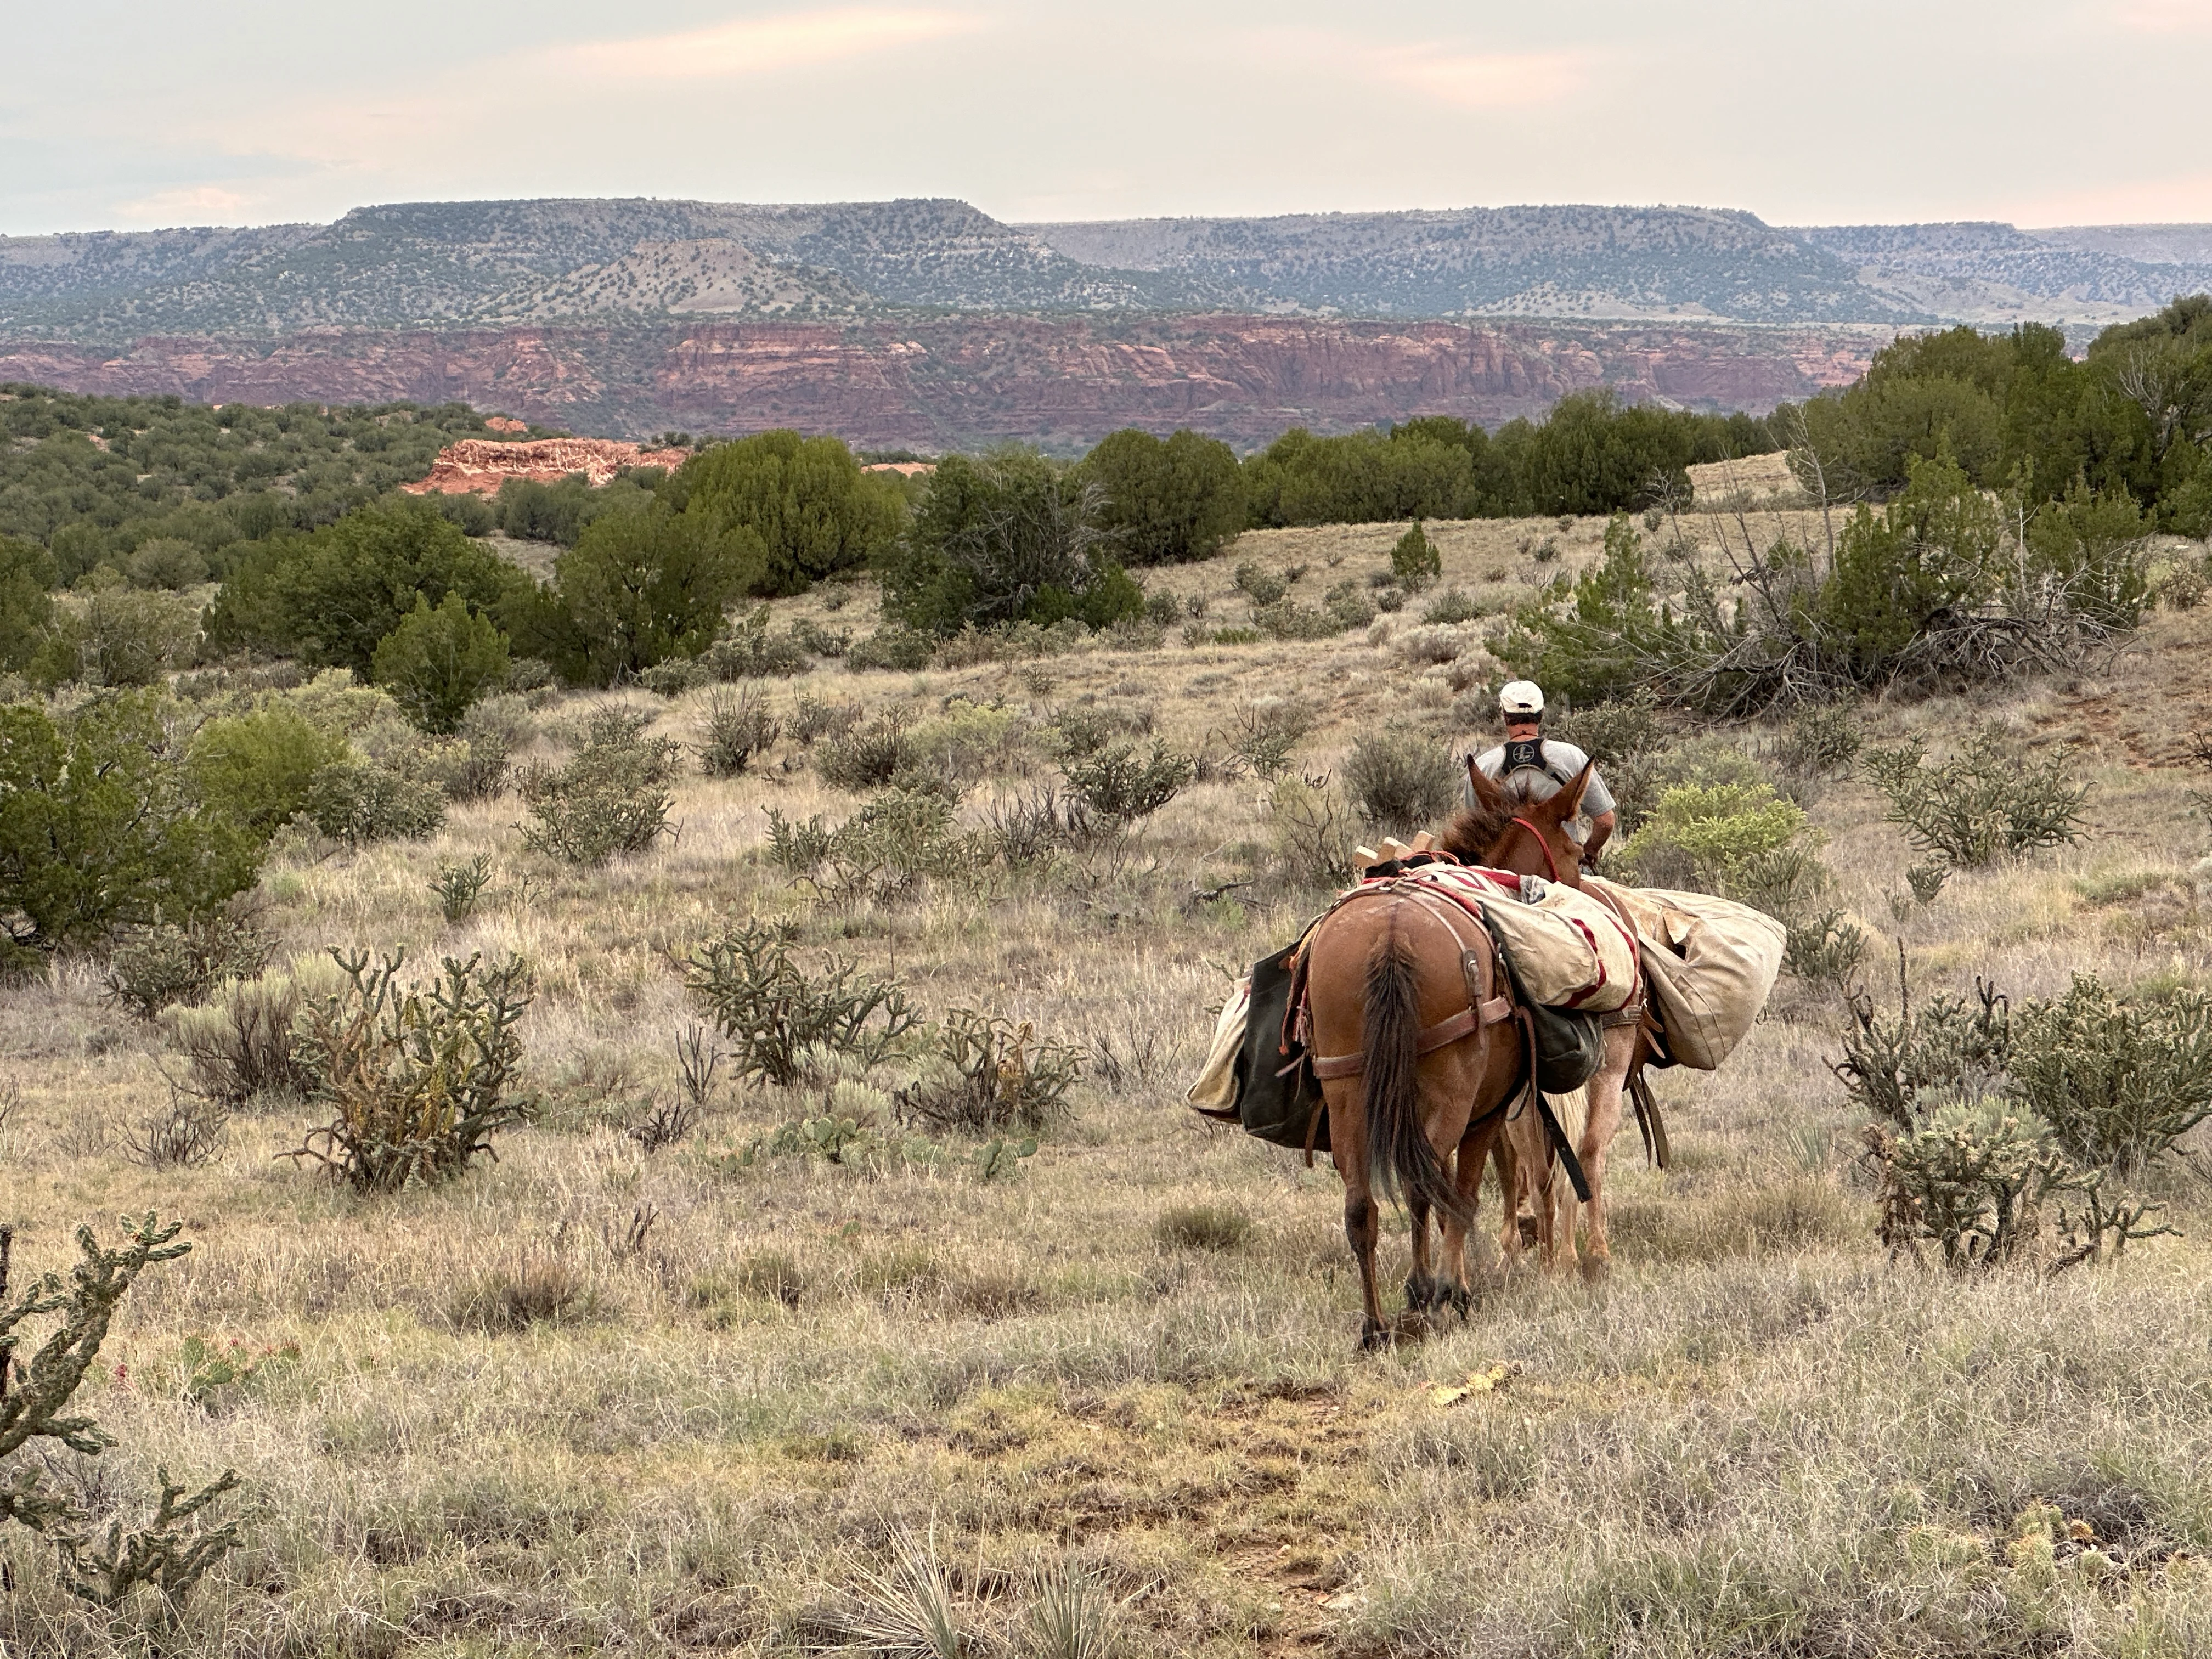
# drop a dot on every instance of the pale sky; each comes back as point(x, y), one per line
point(256, 112)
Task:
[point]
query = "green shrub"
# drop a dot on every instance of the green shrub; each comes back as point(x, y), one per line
point(814, 513)
point(1006, 538)
point(747, 650)
point(898, 649)
point(969, 742)
point(1166, 502)
point(1991, 801)
point(153, 967)
point(2119, 1080)
point(438, 662)
point(643, 585)
point(675, 676)
point(734, 728)
point(1400, 781)
point(258, 768)
point(1456, 605)
point(776, 1016)
point(120, 636)
point(329, 599)
point(1265, 732)
point(103, 826)
point(27, 574)
point(166, 561)
point(1286, 619)
point(419, 1077)
point(1414, 560)
point(610, 798)
point(872, 756)
point(360, 801)
point(1126, 785)
point(1712, 832)
point(1259, 584)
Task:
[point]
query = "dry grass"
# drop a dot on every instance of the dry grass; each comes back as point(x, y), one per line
point(508, 1432)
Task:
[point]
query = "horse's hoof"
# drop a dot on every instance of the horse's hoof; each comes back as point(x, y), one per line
point(1374, 1336)
point(1596, 1269)
point(1423, 1292)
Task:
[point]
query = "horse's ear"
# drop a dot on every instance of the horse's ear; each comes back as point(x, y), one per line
point(1485, 790)
point(1567, 803)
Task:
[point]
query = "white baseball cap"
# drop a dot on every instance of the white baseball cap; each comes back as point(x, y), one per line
point(1521, 698)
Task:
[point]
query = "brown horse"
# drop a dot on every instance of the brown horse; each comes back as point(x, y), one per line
point(1505, 830)
point(1417, 1061)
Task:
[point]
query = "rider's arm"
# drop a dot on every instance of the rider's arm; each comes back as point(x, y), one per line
point(1601, 832)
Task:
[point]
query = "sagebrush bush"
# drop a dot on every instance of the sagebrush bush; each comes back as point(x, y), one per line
point(734, 728)
point(238, 1050)
point(1125, 784)
point(421, 1077)
point(1400, 781)
point(1990, 801)
point(153, 967)
point(1713, 833)
point(969, 742)
point(776, 1016)
point(1261, 585)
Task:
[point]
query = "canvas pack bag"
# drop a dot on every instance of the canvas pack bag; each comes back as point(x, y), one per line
point(1248, 1078)
point(1711, 962)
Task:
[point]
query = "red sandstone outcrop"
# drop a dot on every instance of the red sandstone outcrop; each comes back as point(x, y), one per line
point(944, 383)
point(483, 465)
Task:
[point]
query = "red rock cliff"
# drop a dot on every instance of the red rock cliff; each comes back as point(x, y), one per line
point(969, 379)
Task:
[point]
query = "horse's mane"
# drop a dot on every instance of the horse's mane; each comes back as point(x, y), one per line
point(1473, 830)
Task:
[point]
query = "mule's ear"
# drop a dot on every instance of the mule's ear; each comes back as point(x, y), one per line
point(1567, 803)
point(1485, 791)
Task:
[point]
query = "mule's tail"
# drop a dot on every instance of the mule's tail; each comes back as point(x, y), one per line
point(1399, 1156)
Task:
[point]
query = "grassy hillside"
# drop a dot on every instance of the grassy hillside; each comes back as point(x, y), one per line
point(591, 1397)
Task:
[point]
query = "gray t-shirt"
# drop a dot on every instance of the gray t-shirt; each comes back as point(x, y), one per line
point(1561, 761)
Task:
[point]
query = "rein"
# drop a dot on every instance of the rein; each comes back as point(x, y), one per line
point(1542, 846)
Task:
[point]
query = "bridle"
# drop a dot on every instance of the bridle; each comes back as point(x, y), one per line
point(1543, 846)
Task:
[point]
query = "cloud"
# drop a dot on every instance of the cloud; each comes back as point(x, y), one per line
point(1483, 80)
point(756, 45)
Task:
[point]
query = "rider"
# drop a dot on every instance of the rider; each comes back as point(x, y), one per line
point(1545, 765)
